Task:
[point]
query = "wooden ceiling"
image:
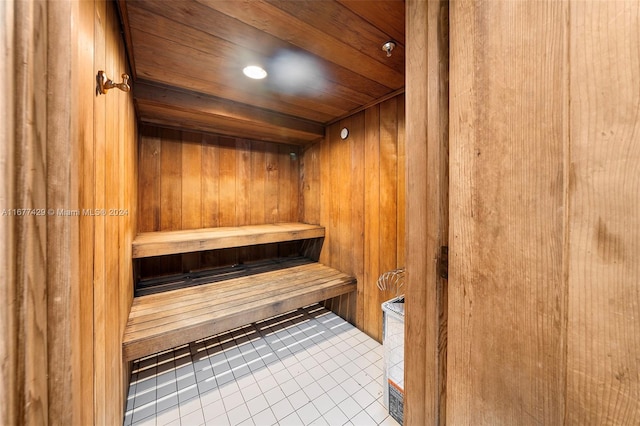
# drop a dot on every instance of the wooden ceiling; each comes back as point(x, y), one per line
point(324, 60)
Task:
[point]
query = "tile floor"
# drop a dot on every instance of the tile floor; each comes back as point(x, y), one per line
point(306, 367)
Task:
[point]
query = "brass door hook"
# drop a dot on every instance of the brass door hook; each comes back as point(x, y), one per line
point(105, 83)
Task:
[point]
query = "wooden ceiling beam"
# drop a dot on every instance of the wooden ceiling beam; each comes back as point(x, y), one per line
point(158, 104)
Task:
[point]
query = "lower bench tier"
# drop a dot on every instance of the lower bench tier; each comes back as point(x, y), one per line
point(162, 321)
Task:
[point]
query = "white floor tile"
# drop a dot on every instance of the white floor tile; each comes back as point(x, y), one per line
point(306, 367)
point(308, 413)
point(335, 417)
point(299, 399)
point(195, 418)
point(265, 418)
point(238, 414)
point(282, 409)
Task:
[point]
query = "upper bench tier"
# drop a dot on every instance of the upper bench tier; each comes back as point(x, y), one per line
point(148, 244)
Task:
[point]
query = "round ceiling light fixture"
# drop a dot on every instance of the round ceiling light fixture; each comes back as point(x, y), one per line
point(255, 72)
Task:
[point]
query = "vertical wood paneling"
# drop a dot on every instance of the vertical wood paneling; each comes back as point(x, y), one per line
point(507, 145)
point(372, 310)
point(8, 247)
point(113, 343)
point(191, 191)
point(358, 214)
point(243, 182)
point(99, 202)
point(148, 185)
point(28, 303)
point(207, 181)
point(171, 183)
point(271, 191)
point(310, 184)
point(358, 204)
point(227, 181)
point(426, 209)
point(62, 234)
point(210, 181)
point(603, 361)
point(85, 120)
point(71, 270)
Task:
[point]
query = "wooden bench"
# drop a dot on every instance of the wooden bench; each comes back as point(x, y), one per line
point(149, 244)
point(165, 320)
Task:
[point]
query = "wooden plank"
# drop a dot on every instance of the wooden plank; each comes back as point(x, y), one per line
point(256, 210)
point(101, 406)
point(389, 16)
point(149, 194)
point(202, 54)
point(401, 185)
point(388, 200)
point(245, 36)
point(227, 182)
point(86, 87)
point(164, 309)
point(271, 184)
point(603, 238)
point(336, 183)
point(25, 345)
point(365, 37)
point(508, 133)
point(310, 184)
point(112, 165)
point(62, 281)
point(356, 302)
point(287, 204)
point(372, 221)
point(244, 302)
point(209, 185)
point(191, 205)
point(171, 242)
point(242, 115)
point(262, 16)
point(426, 134)
point(9, 321)
point(170, 183)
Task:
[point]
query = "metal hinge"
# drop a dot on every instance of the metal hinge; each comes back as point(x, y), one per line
point(443, 262)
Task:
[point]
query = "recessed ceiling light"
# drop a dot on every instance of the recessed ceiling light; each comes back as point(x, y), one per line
point(255, 72)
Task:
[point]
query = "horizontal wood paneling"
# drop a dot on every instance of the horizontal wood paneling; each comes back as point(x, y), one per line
point(191, 180)
point(337, 43)
point(354, 189)
point(182, 109)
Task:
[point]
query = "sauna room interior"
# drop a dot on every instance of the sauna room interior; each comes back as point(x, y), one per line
point(158, 205)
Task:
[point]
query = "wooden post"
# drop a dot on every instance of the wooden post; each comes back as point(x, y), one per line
point(427, 209)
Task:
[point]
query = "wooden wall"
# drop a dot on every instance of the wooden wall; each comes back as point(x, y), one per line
point(355, 188)
point(544, 303)
point(427, 127)
point(194, 180)
point(109, 173)
point(66, 275)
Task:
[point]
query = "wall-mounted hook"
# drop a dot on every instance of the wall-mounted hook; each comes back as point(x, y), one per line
point(105, 83)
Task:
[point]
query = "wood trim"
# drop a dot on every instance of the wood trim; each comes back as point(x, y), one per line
point(209, 113)
point(367, 106)
point(427, 209)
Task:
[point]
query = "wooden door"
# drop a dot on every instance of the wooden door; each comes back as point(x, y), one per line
point(544, 293)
